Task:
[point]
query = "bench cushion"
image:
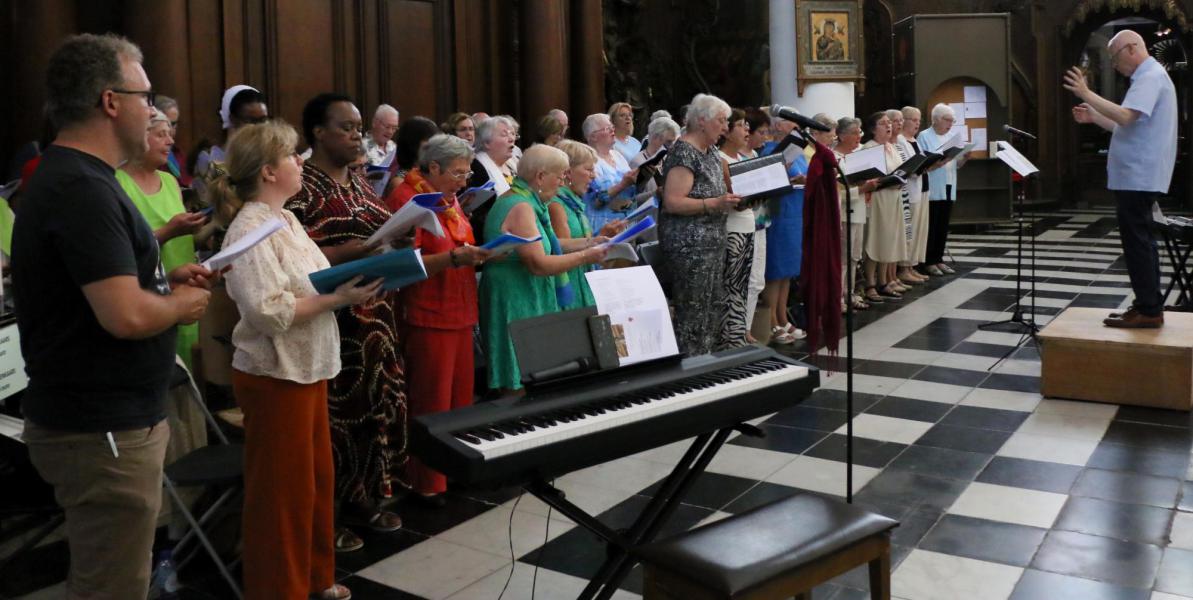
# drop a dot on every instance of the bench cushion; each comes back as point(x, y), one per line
point(739, 552)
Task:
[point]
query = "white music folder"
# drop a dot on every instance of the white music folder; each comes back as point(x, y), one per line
point(1014, 159)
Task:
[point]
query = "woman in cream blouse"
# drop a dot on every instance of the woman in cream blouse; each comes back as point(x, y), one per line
point(286, 348)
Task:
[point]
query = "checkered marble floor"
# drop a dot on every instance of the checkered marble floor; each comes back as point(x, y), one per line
point(1001, 494)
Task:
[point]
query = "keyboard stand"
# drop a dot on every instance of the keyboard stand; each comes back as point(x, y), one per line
point(622, 544)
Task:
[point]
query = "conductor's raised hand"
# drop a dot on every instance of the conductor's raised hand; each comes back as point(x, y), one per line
point(1083, 113)
point(1075, 82)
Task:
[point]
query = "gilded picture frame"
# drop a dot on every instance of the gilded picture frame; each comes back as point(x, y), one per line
point(829, 43)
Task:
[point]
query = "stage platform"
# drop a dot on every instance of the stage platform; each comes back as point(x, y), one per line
point(1082, 359)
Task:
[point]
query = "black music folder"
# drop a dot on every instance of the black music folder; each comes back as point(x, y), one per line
point(899, 176)
point(760, 177)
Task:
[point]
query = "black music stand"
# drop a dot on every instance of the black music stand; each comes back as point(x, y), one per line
point(1025, 169)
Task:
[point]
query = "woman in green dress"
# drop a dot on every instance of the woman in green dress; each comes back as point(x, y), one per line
point(532, 280)
point(568, 220)
point(157, 196)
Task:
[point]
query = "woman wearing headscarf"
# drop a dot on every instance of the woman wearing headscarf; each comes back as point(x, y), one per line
point(241, 105)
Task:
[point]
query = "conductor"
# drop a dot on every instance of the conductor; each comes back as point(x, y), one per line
point(1139, 167)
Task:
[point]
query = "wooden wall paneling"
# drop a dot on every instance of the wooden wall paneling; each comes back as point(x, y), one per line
point(37, 30)
point(445, 54)
point(158, 28)
point(588, 62)
point(471, 40)
point(368, 89)
point(200, 110)
point(543, 56)
point(413, 68)
point(302, 36)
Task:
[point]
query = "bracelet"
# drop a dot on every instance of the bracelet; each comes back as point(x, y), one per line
point(452, 255)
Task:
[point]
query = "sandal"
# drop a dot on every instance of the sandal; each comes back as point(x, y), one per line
point(335, 592)
point(779, 335)
point(382, 520)
point(889, 292)
point(872, 295)
point(347, 541)
point(859, 304)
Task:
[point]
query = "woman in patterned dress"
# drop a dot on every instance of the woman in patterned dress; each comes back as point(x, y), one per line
point(367, 400)
point(692, 226)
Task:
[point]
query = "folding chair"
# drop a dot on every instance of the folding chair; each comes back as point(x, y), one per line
point(216, 466)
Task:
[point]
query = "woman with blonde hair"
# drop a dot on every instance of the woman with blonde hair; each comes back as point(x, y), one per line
point(287, 347)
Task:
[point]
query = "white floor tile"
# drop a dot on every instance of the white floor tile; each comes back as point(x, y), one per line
point(435, 569)
point(1182, 531)
point(932, 391)
point(819, 475)
point(908, 355)
point(927, 575)
point(887, 429)
point(1067, 451)
point(547, 584)
point(969, 362)
point(1095, 410)
point(1015, 366)
point(1163, 596)
point(490, 532)
point(987, 398)
point(1009, 504)
point(624, 474)
point(749, 463)
point(1065, 426)
point(593, 499)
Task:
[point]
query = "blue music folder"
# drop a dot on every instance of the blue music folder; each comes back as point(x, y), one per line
point(399, 268)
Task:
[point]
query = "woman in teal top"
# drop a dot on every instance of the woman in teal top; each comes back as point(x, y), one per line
point(157, 197)
point(569, 220)
point(533, 279)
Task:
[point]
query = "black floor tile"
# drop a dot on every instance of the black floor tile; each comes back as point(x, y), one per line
point(980, 349)
point(1038, 585)
point(940, 462)
point(1186, 503)
point(1129, 488)
point(1176, 576)
point(1157, 437)
point(968, 439)
point(913, 489)
point(859, 577)
point(1119, 562)
point(710, 490)
point(367, 589)
point(915, 525)
point(980, 539)
point(907, 408)
point(951, 376)
point(378, 546)
point(1011, 383)
point(433, 521)
point(809, 417)
point(781, 439)
point(985, 418)
point(761, 494)
point(866, 452)
point(1030, 474)
point(933, 343)
point(1155, 416)
point(884, 368)
point(835, 400)
point(1138, 459)
point(1134, 522)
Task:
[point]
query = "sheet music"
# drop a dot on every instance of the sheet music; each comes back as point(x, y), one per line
point(407, 217)
point(635, 303)
point(975, 93)
point(1019, 163)
point(234, 250)
point(759, 181)
point(866, 158)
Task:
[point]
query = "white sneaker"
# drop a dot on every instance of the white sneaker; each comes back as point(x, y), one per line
point(798, 334)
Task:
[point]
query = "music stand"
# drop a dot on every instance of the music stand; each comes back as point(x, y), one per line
point(1025, 169)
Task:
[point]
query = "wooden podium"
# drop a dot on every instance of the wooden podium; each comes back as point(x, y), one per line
point(1082, 359)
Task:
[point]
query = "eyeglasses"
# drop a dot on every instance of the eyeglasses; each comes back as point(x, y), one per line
point(461, 176)
point(150, 95)
point(1114, 56)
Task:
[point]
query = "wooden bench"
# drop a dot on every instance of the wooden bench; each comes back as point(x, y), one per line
point(773, 552)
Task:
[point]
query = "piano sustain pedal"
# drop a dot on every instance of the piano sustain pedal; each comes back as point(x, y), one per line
point(749, 430)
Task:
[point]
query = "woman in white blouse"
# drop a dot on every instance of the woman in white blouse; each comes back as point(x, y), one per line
point(286, 348)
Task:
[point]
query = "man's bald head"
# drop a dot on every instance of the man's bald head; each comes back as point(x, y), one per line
point(1127, 51)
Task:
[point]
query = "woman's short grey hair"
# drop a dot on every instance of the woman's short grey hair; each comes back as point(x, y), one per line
point(164, 103)
point(385, 109)
point(487, 130)
point(705, 107)
point(443, 149)
point(894, 113)
point(845, 123)
point(658, 114)
point(661, 127)
point(941, 111)
point(594, 122)
point(825, 120)
point(80, 70)
point(911, 112)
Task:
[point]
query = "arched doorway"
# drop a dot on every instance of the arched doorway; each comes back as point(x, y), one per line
point(1165, 30)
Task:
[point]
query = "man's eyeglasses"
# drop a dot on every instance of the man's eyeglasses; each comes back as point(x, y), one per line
point(150, 95)
point(1114, 55)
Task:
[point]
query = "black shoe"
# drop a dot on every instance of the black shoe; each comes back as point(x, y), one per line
point(432, 501)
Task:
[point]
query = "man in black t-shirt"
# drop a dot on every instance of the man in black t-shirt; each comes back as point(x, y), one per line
point(97, 316)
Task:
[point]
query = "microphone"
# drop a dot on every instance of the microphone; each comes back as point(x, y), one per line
point(1018, 132)
point(790, 114)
